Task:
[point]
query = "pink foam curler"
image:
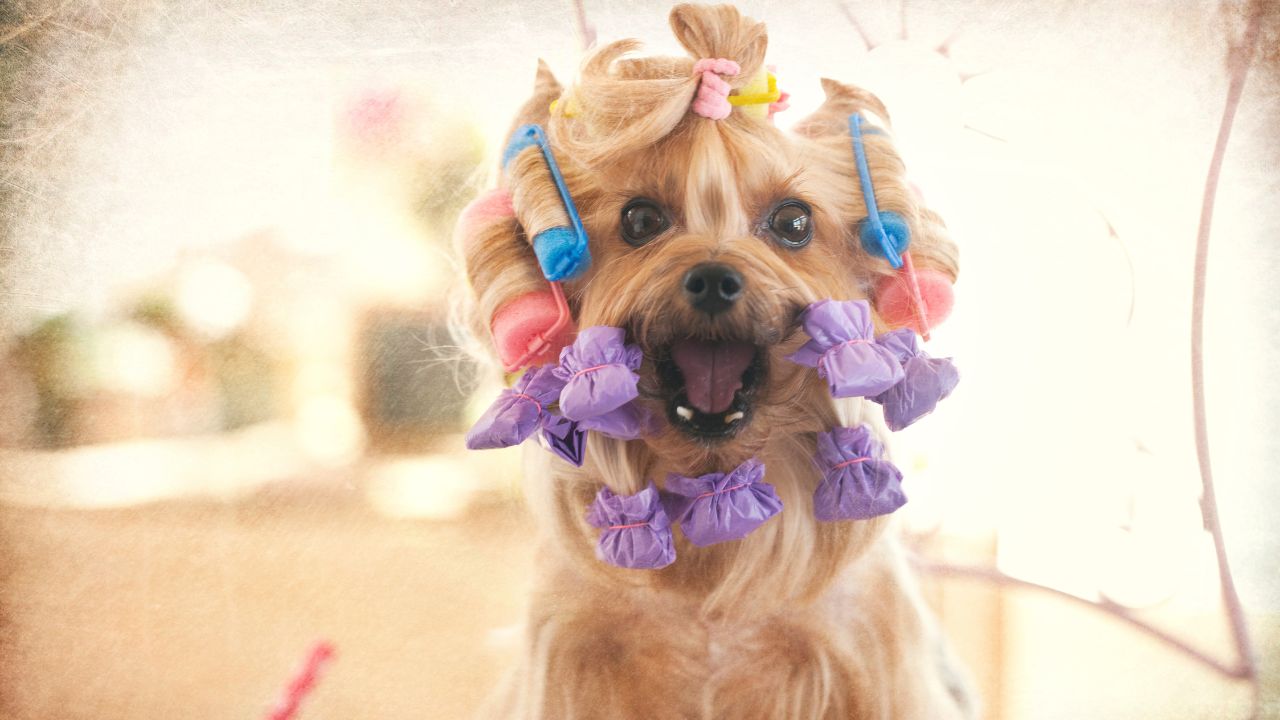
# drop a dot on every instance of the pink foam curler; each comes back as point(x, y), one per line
point(918, 299)
point(491, 205)
point(532, 329)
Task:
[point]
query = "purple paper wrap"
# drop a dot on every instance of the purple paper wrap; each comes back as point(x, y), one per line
point(564, 438)
point(625, 423)
point(926, 380)
point(599, 373)
point(513, 417)
point(635, 530)
point(843, 349)
point(856, 482)
point(722, 506)
point(903, 343)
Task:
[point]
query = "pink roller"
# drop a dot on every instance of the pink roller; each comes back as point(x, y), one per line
point(489, 206)
point(896, 305)
point(532, 329)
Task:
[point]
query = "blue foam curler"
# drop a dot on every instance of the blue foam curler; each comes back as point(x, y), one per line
point(562, 251)
point(519, 141)
point(560, 254)
point(884, 234)
point(889, 240)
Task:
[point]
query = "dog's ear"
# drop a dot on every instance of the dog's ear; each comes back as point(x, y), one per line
point(832, 117)
point(501, 267)
point(933, 253)
point(537, 109)
point(514, 304)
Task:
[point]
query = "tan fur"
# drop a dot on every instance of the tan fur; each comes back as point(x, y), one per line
point(801, 619)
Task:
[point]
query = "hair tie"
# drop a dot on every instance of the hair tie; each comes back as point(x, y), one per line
point(712, 99)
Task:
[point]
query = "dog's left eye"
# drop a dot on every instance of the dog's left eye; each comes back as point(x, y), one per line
point(791, 223)
point(642, 221)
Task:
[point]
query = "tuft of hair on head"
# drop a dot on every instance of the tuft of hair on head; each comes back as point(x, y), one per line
point(627, 101)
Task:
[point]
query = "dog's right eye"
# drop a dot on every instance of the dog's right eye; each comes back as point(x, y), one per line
point(791, 222)
point(642, 221)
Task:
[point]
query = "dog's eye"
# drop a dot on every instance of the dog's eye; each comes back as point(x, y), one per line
point(791, 223)
point(642, 221)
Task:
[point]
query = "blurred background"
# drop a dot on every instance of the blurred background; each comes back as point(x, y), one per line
point(231, 410)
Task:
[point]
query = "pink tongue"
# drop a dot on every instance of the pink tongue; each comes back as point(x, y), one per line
point(712, 371)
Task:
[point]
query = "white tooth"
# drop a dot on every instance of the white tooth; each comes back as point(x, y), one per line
point(733, 417)
point(684, 412)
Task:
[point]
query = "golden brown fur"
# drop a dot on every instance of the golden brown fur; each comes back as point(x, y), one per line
point(801, 619)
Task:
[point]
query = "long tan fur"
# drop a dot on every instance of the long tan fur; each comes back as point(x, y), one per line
point(801, 619)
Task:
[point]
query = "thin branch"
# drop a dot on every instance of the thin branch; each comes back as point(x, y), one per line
point(944, 47)
point(1238, 60)
point(1128, 259)
point(857, 26)
point(986, 134)
point(975, 572)
point(586, 31)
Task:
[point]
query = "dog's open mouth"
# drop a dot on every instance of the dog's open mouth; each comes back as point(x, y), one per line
point(709, 385)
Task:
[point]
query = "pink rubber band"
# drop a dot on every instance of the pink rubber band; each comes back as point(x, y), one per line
point(720, 492)
point(712, 98)
point(530, 398)
point(624, 527)
point(855, 341)
point(850, 462)
point(590, 369)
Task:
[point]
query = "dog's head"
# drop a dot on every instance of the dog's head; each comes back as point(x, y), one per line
point(708, 237)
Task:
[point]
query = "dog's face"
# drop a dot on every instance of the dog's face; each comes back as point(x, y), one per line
point(708, 237)
point(707, 248)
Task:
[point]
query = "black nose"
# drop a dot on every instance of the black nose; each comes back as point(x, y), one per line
point(712, 287)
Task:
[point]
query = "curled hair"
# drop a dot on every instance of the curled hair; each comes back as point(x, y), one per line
point(628, 102)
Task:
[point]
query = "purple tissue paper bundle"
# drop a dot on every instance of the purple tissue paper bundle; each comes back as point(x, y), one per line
point(635, 529)
point(517, 412)
point(599, 373)
point(564, 439)
point(843, 349)
point(856, 482)
point(722, 506)
point(926, 380)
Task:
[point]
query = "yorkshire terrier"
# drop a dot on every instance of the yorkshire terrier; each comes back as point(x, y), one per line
point(694, 250)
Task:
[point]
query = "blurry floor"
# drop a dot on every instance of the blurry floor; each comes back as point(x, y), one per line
point(202, 609)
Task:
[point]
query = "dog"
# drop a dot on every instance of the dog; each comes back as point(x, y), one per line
point(710, 232)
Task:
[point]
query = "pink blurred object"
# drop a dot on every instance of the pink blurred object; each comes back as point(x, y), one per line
point(897, 305)
point(532, 329)
point(302, 683)
point(376, 116)
point(780, 104)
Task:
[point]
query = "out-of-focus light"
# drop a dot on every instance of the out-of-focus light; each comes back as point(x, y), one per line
point(504, 637)
point(213, 297)
point(437, 487)
point(124, 474)
point(329, 430)
point(320, 377)
point(481, 398)
point(134, 359)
